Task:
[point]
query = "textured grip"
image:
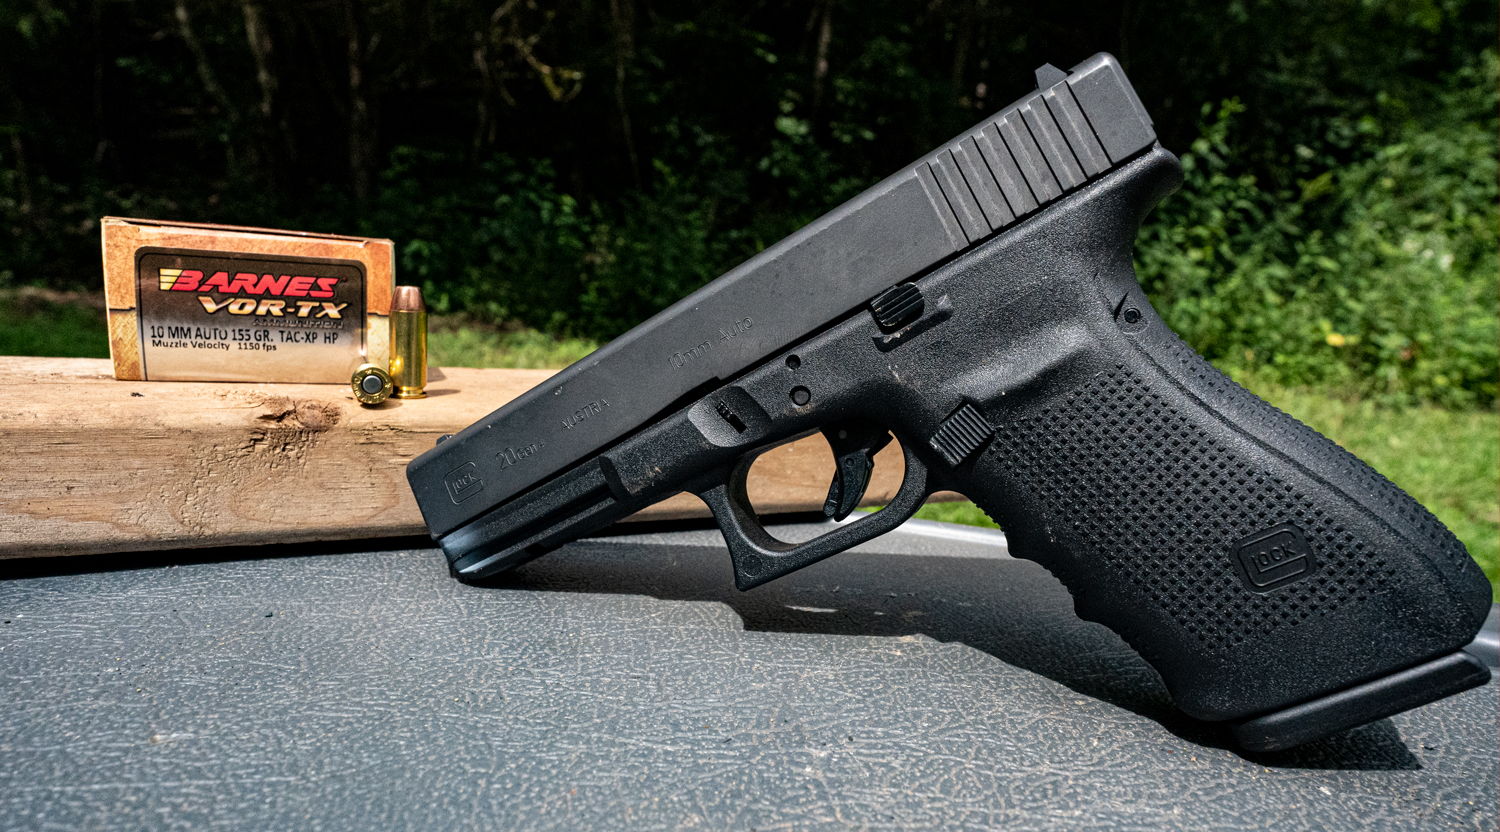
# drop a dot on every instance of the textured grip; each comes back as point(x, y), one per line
point(1255, 563)
point(1257, 566)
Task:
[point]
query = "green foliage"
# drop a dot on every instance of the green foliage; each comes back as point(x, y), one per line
point(963, 513)
point(509, 245)
point(467, 345)
point(31, 324)
point(1448, 460)
point(578, 166)
point(1380, 274)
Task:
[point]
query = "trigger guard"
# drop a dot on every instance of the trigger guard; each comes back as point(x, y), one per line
point(758, 557)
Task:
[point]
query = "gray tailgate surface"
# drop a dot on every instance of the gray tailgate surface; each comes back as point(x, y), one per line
point(924, 680)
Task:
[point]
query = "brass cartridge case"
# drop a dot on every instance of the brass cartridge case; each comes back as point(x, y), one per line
point(409, 343)
point(371, 384)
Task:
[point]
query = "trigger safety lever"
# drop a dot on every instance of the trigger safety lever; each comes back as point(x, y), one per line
point(854, 443)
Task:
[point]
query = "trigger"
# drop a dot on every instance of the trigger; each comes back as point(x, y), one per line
point(854, 445)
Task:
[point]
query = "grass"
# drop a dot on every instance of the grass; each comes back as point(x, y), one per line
point(457, 343)
point(1448, 460)
point(52, 324)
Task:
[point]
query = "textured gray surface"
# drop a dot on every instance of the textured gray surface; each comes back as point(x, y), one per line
point(924, 680)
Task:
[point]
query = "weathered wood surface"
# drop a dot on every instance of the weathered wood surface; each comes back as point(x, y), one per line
point(89, 464)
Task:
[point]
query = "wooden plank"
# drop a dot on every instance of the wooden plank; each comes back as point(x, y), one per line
point(89, 464)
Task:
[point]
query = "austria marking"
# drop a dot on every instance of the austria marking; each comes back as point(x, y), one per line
point(583, 414)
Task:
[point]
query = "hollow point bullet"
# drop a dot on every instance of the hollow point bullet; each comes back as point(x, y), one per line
point(409, 343)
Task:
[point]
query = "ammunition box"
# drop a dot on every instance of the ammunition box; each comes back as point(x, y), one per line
point(200, 302)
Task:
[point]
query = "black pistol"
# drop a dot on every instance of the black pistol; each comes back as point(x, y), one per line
point(982, 306)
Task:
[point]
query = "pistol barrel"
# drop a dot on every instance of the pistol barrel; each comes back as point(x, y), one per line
point(1076, 127)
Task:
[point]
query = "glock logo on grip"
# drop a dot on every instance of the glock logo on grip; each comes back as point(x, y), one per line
point(1273, 558)
point(463, 483)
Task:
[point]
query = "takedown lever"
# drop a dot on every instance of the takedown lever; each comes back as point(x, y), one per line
point(854, 443)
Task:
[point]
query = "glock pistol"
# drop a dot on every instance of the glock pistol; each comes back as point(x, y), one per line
point(981, 305)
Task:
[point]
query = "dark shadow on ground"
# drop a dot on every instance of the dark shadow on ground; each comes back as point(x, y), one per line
point(12, 569)
point(1013, 610)
point(1010, 609)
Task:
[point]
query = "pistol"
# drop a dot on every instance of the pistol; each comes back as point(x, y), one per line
point(981, 305)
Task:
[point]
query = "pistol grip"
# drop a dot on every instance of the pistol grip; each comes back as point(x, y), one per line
point(1266, 573)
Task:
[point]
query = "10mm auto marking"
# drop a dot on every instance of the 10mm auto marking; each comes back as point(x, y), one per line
point(236, 304)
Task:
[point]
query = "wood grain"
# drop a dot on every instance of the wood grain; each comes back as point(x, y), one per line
point(89, 464)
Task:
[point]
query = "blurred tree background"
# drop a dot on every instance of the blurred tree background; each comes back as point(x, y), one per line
point(574, 166)
point(555, 172)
